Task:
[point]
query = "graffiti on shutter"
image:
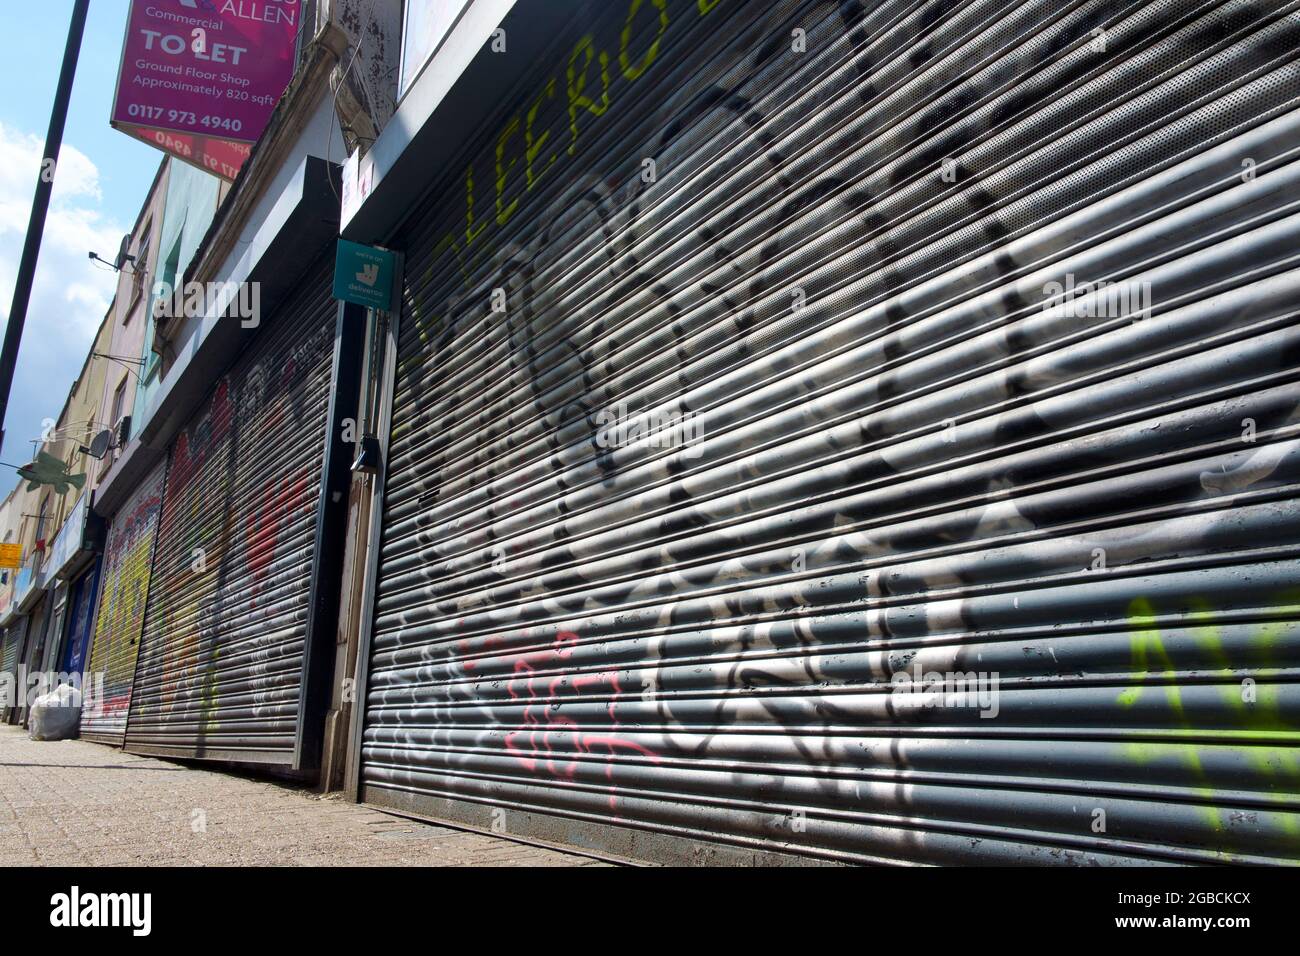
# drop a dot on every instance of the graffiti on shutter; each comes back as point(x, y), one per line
point(870, 433)
point(124, 587)
point(220, 671)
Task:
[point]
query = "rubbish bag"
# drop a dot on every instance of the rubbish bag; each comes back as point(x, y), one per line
point(56, 715)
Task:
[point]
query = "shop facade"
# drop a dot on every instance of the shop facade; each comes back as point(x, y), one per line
point(228, 623)
point(225, 504)
point(118, 625)
point(840, 431)
point(72, 567)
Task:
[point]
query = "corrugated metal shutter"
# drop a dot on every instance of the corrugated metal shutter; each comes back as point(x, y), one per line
point(916, 442)
point(13, 648)
point(221, 660)
point(13, 639)
point(128, 557)
point(38, 621)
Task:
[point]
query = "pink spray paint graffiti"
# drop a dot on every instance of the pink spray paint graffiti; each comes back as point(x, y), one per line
point(542, 722)
point(269, 522)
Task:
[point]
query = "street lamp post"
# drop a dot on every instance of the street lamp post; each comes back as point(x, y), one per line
point(40, 206)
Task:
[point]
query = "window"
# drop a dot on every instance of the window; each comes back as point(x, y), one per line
point(41, 517)
point(119, 399)
point(139, 269)
point(427, 23)
point(167, 279)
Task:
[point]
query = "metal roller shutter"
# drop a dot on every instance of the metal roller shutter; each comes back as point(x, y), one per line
point(958, 350)
point(13, 638)
point(13, 648)
point(128, 556)
point(221, 660)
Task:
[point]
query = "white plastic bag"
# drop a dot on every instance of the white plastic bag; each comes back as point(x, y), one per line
point(56, 715)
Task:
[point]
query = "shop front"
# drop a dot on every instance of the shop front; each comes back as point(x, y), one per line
point(233, 605)
point(128, 559)
point(835, 431)
point(73, 568)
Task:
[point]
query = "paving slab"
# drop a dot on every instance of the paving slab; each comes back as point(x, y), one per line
point(76, 803)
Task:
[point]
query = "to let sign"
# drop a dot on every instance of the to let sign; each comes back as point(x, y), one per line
point(11, 555)
point(206, 74)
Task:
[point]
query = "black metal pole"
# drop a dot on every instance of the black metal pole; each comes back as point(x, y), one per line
point(40, 205)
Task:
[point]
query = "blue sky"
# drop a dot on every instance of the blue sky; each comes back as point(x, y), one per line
point(101, 181)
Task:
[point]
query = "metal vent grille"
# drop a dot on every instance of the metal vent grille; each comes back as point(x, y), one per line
point(221, 658)
point(984, 317)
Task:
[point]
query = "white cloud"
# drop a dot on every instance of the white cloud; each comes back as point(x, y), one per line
point(71, 293)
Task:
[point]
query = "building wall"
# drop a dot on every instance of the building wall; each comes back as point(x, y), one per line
point(10, 517)
point(366, 83)
point(43, 509)
point(320, 136)
point(37, 514)
point(128, 312)
point(191, 201)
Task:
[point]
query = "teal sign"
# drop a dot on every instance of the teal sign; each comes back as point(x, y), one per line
point(364, 275)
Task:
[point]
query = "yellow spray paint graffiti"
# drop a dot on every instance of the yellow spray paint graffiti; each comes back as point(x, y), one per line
point(128, 560)
point(519, 151)
point(1268, 742)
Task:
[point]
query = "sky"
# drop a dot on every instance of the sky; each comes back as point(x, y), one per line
point(102, 178)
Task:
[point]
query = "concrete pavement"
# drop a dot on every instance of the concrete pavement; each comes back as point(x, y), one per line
point(75, 803)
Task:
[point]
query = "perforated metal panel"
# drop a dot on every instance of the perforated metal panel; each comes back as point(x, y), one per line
point(115, 644)
point(221, 659)
point(855, 356)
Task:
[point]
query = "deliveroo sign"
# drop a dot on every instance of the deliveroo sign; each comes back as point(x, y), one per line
point(364, 275)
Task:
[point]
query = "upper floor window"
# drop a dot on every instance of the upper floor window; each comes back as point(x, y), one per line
point(426, 24)
point(139, 269)
point(42, 516)
point(119, 399)
point(168, 270)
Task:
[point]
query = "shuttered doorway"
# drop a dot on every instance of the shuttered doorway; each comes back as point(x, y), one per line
point(221, 659)
point(119, 621)
point(863, 432)
point(10, 642)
